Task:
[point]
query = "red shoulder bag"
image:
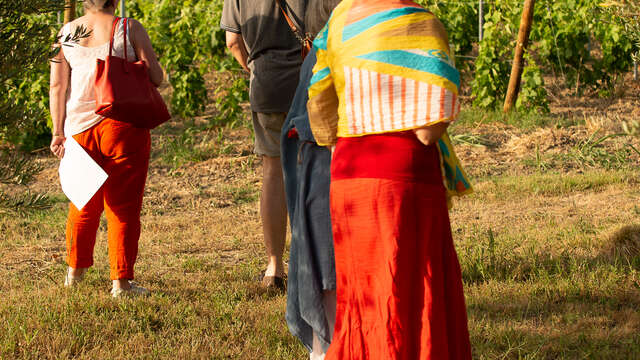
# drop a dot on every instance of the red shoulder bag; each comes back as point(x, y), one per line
point(124, 91)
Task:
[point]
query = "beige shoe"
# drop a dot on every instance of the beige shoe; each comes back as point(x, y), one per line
point(134, 291)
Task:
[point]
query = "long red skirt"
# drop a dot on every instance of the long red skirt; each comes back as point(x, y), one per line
point(399, 285)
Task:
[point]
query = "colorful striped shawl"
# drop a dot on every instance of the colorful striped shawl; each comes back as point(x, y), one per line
point(385, 66)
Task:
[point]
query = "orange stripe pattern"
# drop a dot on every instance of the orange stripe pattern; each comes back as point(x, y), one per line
point(386, 102)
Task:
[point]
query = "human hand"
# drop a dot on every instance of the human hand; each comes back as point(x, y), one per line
point(57, 145)
point(430, 134)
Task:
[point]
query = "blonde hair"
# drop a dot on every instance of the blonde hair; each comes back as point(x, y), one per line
point(98, 4)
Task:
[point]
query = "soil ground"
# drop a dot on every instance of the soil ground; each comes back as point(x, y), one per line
point(549, 246)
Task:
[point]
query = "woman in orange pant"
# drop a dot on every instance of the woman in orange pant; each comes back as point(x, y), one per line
point(121, 149)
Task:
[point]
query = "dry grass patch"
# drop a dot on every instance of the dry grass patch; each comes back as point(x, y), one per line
point(550, 271)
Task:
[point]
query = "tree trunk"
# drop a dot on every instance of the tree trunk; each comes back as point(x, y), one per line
point(516, 69)
point(69, 10)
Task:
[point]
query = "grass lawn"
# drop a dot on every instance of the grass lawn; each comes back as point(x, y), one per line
point(549, 246)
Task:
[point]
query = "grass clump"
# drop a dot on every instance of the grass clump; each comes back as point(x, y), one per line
point(554, 183)
point(549, 257)
point(522, 121)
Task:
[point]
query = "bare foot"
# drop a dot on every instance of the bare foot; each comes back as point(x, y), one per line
point(74, 276)
point(275, 268)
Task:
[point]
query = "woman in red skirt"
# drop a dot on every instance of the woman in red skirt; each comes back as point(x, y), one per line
point(383, 93)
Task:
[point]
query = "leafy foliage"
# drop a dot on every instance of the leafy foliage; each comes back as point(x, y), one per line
point(26, 35)
point(533, 95)
point(186, 35)
point(576, 40)
point(626, 14)
point(573, 40)
point(16, 169)
point(229, 105)
point(585, 43)
point(493, 65)
point(20, 204)
point(461, 21)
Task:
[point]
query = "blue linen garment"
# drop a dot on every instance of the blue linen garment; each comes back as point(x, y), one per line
point(307, 178)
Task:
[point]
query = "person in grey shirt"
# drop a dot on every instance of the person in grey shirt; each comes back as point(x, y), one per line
point(260, 39)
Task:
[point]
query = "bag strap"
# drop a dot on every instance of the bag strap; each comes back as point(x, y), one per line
point(113, 32)
point(299, 35)
point(125, 24)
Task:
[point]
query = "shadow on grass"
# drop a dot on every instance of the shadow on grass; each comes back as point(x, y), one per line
point(546, 306)
point(488, 260)
point(578, 326)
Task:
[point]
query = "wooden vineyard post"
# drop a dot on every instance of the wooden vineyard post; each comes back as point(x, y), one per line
point(518, 59)
point(69, 10)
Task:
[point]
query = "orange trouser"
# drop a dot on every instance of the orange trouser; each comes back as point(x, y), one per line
point(123, 152)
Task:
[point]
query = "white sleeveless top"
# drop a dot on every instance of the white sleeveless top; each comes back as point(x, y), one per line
point(81, 96)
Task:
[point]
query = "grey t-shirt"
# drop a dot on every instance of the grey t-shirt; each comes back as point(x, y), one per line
point(274, 51)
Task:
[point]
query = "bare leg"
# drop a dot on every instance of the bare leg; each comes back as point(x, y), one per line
point(329, 302)
point(273, 211)
point(317, 353)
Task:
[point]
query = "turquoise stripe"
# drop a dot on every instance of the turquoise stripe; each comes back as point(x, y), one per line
point(320, 75)
point(448, 174)
point(460, 177)
point(428, 64)
point(361, 26)
point(443, 148)
point(320, 43)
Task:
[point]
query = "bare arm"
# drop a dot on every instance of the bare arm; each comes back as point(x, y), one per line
point(58, 86)
point(430, 134)
point(144, 50)
point(235, 44)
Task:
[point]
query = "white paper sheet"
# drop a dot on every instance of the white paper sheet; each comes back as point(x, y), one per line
point(80, 176)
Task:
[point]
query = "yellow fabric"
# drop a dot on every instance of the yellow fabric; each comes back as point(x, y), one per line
point(385, 66)
point(391, 30)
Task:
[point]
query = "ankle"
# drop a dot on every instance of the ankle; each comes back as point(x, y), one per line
point(77, 272)
point(275, 268)
point(121, 284)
